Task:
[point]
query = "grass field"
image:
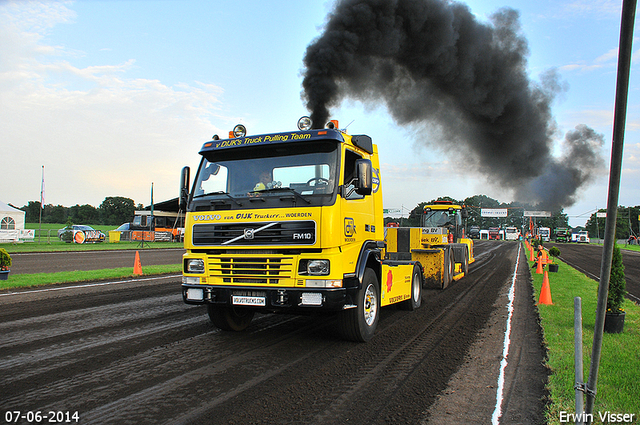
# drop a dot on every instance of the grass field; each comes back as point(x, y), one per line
point(54, 244)
point(47, 240)
point(618, 386)
point(39, 279)
point(57, 245)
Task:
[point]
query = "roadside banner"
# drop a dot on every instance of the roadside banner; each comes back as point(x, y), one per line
point(87, 236)
point(493, 212)
point(537, 214)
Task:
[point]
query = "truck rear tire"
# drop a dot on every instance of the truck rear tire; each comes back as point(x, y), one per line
point(230, 318)
point(449, 267)
point(465, 262)
point(416, 290)
point(359, 324)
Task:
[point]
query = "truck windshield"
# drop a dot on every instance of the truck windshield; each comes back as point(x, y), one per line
point(309, 170)
point(441, 218)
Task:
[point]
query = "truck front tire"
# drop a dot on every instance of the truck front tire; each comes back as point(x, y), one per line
point(230, 318)
point(359, 324)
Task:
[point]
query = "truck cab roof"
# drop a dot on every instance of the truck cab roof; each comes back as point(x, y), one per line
point(364, 142)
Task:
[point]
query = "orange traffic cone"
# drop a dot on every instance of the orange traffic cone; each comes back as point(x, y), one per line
point(531, 258)
point(539, 268)
point(545, 292)
point(137, 267)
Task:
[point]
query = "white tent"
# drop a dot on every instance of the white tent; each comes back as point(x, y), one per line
point(12, 224)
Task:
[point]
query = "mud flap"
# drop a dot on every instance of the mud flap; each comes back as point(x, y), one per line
point(396, 281)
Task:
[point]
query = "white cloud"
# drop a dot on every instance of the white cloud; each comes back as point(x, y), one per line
point(591, 8)
point(32, 16)
point(97, 131)
point(606, 60)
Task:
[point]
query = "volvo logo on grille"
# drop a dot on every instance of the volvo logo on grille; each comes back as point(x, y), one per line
point(248, 233)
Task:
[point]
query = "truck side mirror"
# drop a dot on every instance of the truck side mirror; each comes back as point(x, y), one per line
point(184, 188)
point(364, 184)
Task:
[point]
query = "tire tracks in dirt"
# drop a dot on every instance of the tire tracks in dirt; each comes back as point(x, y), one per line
point(135, 353)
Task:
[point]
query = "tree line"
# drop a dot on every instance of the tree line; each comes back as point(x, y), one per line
point(117, 210)
point(113, 210)
point(626, 223)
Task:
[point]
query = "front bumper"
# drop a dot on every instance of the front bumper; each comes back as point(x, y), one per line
point(268, 299)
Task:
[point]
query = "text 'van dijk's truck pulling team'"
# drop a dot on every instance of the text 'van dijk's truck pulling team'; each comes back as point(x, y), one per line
point(293, 222)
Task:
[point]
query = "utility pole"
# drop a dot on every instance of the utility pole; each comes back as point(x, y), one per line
point(619, 120)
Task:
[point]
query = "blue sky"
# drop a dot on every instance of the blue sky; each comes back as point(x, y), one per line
point(111, 96)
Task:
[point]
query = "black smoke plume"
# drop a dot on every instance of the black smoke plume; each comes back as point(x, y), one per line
point(454, 79)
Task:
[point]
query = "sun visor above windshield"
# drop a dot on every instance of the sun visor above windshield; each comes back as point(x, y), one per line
point(273, 139)
point(364, 142)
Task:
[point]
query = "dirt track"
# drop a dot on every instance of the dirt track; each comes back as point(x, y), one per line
point(587, 258)
point(49, 262)
point(134, 353)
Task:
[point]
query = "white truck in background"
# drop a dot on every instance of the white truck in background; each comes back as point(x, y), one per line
point(511, 234)
point(545, 233)
point(581, 237)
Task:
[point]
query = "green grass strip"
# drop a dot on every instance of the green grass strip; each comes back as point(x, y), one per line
point(56, 246)
point(39, 279)
point(618, 386)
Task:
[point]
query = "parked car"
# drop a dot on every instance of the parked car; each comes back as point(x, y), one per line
point(124, 227)
point(81, 234)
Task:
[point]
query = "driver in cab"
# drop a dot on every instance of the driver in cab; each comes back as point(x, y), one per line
point(266, 182)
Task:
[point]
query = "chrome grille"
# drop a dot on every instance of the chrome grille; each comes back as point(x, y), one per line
point(251, 270)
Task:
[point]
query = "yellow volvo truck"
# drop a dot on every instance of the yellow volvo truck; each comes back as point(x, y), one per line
point(439, 246)
point(291, 222)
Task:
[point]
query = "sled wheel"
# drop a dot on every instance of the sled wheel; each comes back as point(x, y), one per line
point(416, 290)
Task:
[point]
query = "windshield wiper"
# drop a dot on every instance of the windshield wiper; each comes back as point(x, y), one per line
point(283, 189)
point(220, 192)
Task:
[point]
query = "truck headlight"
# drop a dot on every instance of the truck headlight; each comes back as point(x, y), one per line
point(195, 266)
point(318, 267)
point(305, 123)
point(239, 131)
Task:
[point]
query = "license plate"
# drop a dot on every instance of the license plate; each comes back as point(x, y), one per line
point(251, 301)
